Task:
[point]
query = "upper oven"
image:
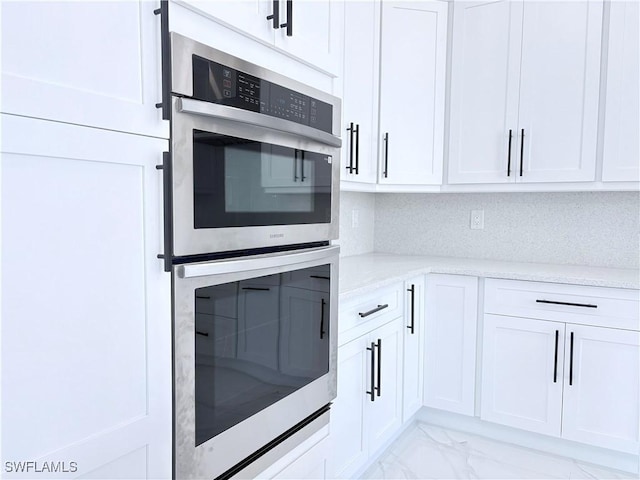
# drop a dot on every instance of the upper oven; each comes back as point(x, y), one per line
point(255, 155)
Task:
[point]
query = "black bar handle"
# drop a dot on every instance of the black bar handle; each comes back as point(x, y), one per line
point(322, 305)
point(289, 23)
point(385, 139)
point(521, 151)
point(379, 387)
point(555, 359)
point(371, 312)
point(570, 304)
point(167, 210)
point(204, 334)
point(372, 392)
point(509, 154)
point(275, 16)
point(411, 327)
point(203, 297)
point(351, 131)
point(259, 289)
point(320, 276)
point(357, 148)
point(571, 361)
point(302, 177)
point(295, 165)
point(165, 59)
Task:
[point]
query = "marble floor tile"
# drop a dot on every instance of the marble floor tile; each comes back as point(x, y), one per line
point(429, 452)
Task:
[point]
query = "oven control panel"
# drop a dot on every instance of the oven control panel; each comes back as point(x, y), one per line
point(217, 83)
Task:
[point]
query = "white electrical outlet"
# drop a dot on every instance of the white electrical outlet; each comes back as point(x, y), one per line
point(477, 220)
point(355, 218)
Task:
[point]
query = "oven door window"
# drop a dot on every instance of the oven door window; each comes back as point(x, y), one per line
point(242, 183)
point(257, 341)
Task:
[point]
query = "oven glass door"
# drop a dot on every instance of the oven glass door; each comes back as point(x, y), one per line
point(242, 183)
point(257, 341)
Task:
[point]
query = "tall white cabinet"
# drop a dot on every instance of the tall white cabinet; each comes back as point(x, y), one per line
point(524, 91)
point(86, 323)
point(412, 83)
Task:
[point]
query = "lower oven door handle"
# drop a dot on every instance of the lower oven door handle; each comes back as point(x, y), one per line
point(248, 264)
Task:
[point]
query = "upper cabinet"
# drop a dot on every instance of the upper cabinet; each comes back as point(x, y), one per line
point(524, 91)
point(622, 112)
point(300, 28)
point(412, 88)
point(85, 63)
point(360, 91)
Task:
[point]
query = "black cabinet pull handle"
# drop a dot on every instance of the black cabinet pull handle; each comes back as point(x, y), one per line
point(372, 392)
point(204, 334)
point(319, 276)
point(555, 359)
point(553, 302)
point(357, 148)
point(275, 16)
point(351, 131)
point(379, 387)
point(521, 151)
point(167, 209)
point(322, 305)
point(509, 154)
point(165, 59)
point(371, 312)
point(258, 289)
point(289, 23)
point(571, 360)
point(413, 296)
point(385, 172)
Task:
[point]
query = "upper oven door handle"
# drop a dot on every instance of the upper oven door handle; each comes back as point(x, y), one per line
point(259, 262)
point(198, 107)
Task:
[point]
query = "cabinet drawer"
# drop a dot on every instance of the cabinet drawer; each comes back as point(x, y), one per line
point(599, 306)
point(363, 313)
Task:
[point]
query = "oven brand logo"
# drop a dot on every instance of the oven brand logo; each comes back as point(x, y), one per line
point(40, 467)
point(276, 235)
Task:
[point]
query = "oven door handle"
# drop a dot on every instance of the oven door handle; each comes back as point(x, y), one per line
point(259, 262)
point(198, 107)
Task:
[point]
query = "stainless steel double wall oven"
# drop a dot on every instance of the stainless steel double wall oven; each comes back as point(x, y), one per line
point(252, 185)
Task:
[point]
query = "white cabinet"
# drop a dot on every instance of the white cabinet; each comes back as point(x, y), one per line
point(524, 91)
point(577, 379)
point(360, 91)
point(86, 63)
point(622, 110)
point(300, 28)
point(368, 409)
point(450, 342)
point(413, 368)
point(412, 86)
point(86, 328)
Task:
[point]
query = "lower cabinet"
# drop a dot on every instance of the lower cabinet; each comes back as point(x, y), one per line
point(413, 366)
point(450, 342)
point(368, 409)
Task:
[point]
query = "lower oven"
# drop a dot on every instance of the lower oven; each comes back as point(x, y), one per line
point(255, 346)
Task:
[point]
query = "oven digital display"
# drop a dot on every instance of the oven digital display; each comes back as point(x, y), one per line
point(257, 341)
point(217, 83)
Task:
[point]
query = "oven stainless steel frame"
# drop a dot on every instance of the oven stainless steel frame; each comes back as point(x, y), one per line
point(189, 114)
point(222, 452)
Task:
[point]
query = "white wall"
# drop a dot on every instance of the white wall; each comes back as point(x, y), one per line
point(359, 239)
point(594, 228)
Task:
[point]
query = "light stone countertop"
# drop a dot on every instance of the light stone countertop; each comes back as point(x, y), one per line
point(361, 273)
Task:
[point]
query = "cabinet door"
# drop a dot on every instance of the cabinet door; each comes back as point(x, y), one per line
point(485, 76)
point(412, 82)
point(622, 114)
point(86, 63)
point(86, 305)
point(522, 373)
point(450, 351)
point(601, 387)
point(559, 91)
point(315, 32)
point(384, 415)
point(348, 443)
point(360, 89)
point(413, 367)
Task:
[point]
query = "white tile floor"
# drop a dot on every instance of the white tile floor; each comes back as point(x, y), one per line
point(428, 452)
